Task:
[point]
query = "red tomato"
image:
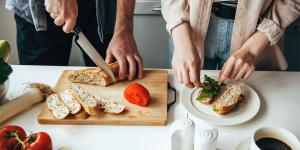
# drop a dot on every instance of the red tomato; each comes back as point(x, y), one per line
point(137, 94)
point(8, 137)
point(39, 141)
point(206, 84)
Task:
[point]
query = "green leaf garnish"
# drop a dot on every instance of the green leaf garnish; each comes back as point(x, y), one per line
point(211, 88)
point(203, 96)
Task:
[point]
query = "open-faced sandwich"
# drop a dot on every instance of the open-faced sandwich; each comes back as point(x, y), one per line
point(224, 97)
point(227, 99)
point(209, 90)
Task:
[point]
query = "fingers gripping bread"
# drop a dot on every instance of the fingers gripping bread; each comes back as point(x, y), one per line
point(87, 101)
point(94, 76)
point(228, 99)
point(58, 109)
point(70, 101)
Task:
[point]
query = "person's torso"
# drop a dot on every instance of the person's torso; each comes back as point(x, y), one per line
point(33, 11)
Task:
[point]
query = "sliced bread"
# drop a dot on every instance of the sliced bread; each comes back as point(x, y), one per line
point(70, 101)
point(86, 99)
point(109, 106)
point(81, 115)
point(207, 100)
point(57, 108)
point(94, 76)
point(228, 99)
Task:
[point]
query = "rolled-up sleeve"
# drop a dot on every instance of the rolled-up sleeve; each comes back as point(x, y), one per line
point(278, 17)
point(175, 12)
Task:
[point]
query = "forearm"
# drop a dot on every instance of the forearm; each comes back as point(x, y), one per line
point(256, 44)
point(124, 16)
point(181, 35)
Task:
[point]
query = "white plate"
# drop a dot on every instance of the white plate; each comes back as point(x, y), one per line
point(245, 111)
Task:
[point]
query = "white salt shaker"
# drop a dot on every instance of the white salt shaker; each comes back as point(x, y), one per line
point(206, 139)
point(182, 134)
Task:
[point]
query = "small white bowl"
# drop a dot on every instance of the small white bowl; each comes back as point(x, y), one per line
point(3, 89)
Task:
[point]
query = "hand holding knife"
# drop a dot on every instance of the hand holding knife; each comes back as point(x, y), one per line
point(89, 49)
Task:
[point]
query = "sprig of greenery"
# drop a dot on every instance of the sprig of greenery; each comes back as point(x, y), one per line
point(203, 96)
point(209, 91)
point(5, 70)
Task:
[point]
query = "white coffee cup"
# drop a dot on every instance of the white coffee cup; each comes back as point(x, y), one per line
point(276, 133)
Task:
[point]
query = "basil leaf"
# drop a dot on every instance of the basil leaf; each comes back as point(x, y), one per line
point(203, 96)
point(206, 88)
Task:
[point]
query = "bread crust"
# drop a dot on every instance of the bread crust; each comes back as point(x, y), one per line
point(82, 115)
point(87, 101)
point(70, 101)
point(225, 105)
point(57, 108)
point(94, 76)
point(109, 106)
point(207, 101)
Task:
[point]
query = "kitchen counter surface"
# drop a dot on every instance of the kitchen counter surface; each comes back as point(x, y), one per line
point(280, 106)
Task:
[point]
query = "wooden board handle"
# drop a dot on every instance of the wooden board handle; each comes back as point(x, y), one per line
point(25, 101)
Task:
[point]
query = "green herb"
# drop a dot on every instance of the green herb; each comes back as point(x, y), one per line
point(214, 84)
point(5, 70)
point(203, 96)
point(210, 88)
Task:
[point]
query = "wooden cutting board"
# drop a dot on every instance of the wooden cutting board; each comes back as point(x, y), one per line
point(154, 114)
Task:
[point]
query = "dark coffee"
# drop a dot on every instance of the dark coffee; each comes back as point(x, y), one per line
point(271, 144)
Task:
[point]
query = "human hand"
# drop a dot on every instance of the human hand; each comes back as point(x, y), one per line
point(123, 47)
point(241, 64)
point(185, 62)
point(64, 13)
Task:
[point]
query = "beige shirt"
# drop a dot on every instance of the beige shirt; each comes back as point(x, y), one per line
point(274, 17)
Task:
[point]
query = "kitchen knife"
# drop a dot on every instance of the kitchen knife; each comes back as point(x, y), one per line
point(89, 49)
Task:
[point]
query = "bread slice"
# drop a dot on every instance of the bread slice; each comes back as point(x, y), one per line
point(82, 115)
point(94, 76)
point(228, 99)
point(87, 101)
point(109, 106)
point(207, 100)
point(57, 108)
point(70, 101)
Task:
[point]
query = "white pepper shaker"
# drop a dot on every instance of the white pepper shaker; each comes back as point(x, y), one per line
point(182, 134)
point(206, 139)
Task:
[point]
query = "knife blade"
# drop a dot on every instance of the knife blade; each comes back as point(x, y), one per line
point(85, 45)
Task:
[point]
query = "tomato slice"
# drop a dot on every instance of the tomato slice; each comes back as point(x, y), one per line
point(137, 94)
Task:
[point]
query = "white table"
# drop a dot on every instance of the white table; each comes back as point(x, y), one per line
point(280, 100)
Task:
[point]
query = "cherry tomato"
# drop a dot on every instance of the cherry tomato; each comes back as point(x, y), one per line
point(137, 94)
point(206, 84)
